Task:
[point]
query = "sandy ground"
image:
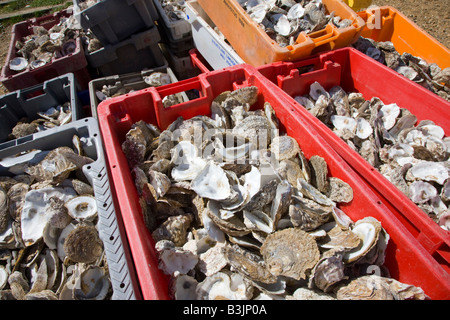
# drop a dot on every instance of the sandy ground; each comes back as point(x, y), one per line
point(431, 15)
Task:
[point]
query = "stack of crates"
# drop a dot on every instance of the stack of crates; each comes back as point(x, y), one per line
point(176, 39)
point(127, 31)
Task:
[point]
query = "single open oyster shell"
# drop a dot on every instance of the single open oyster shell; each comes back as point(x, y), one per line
point(290, 252)
point(82, 208)
point(83, 244)
point(368, 230)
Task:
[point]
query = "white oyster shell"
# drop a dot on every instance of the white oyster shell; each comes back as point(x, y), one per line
point(34, 217)
point(363, 128)
point(344, 122)
point(428, 171)
point(389, 114)
point(176, 261)
point(212, 183)
point(18, 64)
point(368, 230)
point(283, 26)
point(421, 191)
point(183, 287)
point(316, 90)
point(82, 208)
point(93, 284)
point(187, 161)
point(3, 277)
point(223, 286)
point(213, 260)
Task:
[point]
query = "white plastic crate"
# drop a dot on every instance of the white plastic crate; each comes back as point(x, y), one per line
point(212, 47)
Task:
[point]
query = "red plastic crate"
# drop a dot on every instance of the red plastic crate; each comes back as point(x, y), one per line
point(406, 259)
point(75, 63)
point(355, 72)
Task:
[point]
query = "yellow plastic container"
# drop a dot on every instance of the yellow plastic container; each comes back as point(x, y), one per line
point(357, 5)
point(388, 24)
point(255, 47)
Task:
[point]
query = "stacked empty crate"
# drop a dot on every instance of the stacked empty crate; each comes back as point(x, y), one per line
point(126, 32)
point(176, 37)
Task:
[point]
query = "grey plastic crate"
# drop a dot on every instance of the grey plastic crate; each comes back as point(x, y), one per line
point(121, 270)
point(131, 81)
point(179, 47)
point(39, 98)
point(177, 30)
point(181, 65)
point(134, 54)
point(112, 21)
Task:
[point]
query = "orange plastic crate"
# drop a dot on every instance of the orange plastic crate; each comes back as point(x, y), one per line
point(388, 24)
point(255, 47)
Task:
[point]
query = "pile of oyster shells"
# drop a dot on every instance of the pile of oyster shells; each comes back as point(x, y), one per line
point(52, 117)
point(428, 75)
point(413, 156)
point(50, 247)
point(283, 20)
point(238, 212)
point(43, 45)
point(175, 9)
point(155, 79)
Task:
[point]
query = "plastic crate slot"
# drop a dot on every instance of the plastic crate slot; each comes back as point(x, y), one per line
point(34, 94)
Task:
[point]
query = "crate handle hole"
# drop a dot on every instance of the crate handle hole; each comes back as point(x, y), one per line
point(34, 94)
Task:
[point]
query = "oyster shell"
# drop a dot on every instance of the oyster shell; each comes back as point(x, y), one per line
point(212, 183)
point(328, 271)
point(284, 147)
point(83, 244)
point(213, 260)
point(374, 287)
point(56, 166)
point(257, 129)
point(368, 230)
point(34, 215)
point(248, 264)
point(4, 210)
point(183, 287)
point(92, 284)
point(18, 64)
point(174, 229)
point(82, 208)
point(224, 286)
point(175, 261)
point(290, 252)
